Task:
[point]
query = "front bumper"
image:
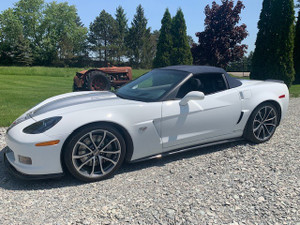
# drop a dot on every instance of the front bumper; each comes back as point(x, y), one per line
point(42, 161)
point(12, 170)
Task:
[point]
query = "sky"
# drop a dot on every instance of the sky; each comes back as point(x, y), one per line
point(154, 9)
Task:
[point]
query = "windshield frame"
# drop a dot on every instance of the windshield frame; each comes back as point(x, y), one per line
point(185, 75)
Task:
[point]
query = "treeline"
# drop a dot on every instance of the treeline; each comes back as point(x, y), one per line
point(242, 65)
point(112, 41)
point(52, 34)
point(35, 33)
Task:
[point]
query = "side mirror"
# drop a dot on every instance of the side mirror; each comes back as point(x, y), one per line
point(193, 95)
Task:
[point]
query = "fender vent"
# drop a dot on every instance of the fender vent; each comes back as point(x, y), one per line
point(241, 116)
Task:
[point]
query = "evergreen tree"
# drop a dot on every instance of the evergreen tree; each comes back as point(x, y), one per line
point(102, 36)
point(138, 39)
point(273, 55)
point(181, 52)
point(297, 51)
point(22, 53)
point(122, 29)
point(80, 45)
point(165, 44)
point(150, 49)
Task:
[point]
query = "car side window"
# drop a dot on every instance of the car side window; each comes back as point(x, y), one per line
point(206, 83)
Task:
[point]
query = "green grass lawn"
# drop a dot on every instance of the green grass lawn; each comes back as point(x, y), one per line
point(39, 71)
point(18, 93)
point(23, 87)
point(295, 91)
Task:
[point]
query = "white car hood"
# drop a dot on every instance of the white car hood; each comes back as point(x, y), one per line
point(98, 99)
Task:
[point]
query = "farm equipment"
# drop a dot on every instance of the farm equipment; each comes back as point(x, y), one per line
point(102, 79)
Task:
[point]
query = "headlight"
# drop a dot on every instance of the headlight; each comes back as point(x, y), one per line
point(42, 126)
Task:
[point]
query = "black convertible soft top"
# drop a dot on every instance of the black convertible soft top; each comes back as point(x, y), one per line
point(195, 70)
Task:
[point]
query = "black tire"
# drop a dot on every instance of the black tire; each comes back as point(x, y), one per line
point(262, 123)
point(98, 81)
point(89, 163)
point(75, 88)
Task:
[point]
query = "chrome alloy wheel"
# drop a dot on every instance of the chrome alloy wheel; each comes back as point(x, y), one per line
point(264, 123)
point(96, 153)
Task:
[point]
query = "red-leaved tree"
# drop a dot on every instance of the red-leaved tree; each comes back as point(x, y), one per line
point(220, 42)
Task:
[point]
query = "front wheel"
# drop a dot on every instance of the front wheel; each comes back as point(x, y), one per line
point(262, 123)
point(94, 153)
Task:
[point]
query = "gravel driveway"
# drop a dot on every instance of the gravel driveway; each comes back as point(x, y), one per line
point(237, 183)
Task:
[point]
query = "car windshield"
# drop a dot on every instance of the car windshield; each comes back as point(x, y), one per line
point(152, 86)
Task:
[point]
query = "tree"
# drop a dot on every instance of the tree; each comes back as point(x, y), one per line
point(102, 35)
point(150, 49)
point(29, 13)
point(165, 44)
point(297, 51)
point(138, 39)
point(63, 35)
point(122, 29)
point(80, 44)
point(22, 52)
point(10, 30)
point(273, 55)
point(220, 42)
point(242, 65)
point(50, 34)
point(190, 41)
point(181, 53)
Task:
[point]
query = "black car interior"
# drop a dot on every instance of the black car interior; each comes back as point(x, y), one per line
point(206, 83)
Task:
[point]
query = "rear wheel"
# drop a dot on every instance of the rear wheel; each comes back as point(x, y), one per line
point(95, 153)
point(98, 81)
point(262, 123)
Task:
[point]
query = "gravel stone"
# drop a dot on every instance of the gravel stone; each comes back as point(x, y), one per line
point(235, 183)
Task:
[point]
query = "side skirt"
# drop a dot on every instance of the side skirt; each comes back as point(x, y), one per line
point(186, 149)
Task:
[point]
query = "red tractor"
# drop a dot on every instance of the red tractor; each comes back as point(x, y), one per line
point(102, 79)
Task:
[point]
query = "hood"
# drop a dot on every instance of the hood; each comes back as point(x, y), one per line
point(74, 99)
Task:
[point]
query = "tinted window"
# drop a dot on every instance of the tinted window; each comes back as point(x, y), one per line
point(206, 83)
point(152, 86)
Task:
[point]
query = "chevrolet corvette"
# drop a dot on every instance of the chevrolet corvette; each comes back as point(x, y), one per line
point(167, 110)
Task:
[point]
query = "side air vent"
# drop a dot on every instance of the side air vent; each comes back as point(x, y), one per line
point(241, 116)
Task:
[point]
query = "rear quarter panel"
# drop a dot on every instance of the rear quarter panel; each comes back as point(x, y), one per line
point(253, 93)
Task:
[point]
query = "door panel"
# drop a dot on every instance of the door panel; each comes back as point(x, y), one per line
point(215, 115)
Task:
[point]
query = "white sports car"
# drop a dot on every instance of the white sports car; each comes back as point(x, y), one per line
point(170, 109)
